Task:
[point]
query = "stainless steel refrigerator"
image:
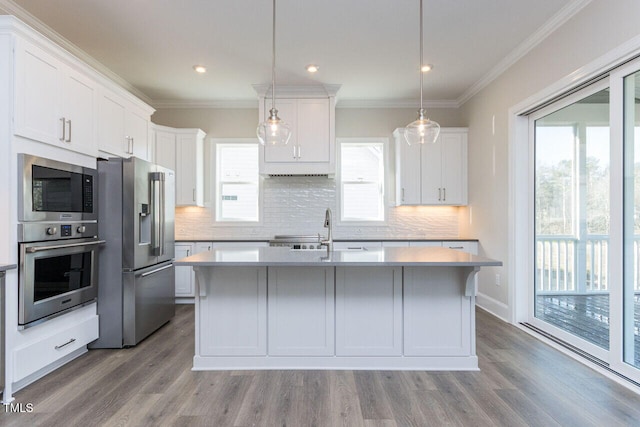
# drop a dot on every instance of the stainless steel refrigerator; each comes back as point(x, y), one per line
point(136, 282)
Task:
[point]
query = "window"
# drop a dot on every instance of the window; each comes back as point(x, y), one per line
point(362, 180)
point(237, 182)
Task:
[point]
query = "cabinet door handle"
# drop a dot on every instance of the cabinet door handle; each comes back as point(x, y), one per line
point(69, 134)
point(299, 152)
point(132, 142)
point(403, 194)
point(439, 194)
point(294, 151)
point(64, 129)
point(71, 341)
point(444, 194)
point(194, 195)
point(187, 252)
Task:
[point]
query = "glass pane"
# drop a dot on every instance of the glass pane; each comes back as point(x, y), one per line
point(237, 182)
point(572, 218)
point(631, 301)
point(238, 202)
point(61, 274)
point(362, 180)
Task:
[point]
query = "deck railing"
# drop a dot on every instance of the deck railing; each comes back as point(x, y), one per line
point(557, 258)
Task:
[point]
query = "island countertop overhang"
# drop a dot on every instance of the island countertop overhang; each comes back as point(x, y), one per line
point(382, 257)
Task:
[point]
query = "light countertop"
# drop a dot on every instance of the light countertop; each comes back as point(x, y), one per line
point(5, 267)
point(275, 256)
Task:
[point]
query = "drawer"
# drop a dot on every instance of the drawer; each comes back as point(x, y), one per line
point(464, 246)
point(37, 355)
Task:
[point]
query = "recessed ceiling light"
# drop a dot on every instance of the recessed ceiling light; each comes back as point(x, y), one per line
point(200, 69)
point(426, 68)
point(312, 68)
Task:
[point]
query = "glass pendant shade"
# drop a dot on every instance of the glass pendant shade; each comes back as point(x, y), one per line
point(422, 131)
point(274, 130)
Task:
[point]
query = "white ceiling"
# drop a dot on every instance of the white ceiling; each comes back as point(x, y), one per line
point(370, 47)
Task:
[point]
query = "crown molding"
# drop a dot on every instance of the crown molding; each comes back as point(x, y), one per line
point(224, 103)
point(395, 103)
point(556, 21)
point(298, 91)
point(11, 8)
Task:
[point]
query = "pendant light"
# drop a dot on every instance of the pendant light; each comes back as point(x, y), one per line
point(422, 130)
point(274, 130)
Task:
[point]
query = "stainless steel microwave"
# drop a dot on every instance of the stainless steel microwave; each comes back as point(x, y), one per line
point(55, 191)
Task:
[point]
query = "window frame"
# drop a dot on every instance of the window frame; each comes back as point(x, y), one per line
point(215, 188)
point(385, 178)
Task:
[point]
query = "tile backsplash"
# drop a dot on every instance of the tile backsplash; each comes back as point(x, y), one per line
point(296, 205)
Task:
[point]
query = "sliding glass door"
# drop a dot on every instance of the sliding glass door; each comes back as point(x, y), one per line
point(571, 292)
point(586, 221)
point(631, 290)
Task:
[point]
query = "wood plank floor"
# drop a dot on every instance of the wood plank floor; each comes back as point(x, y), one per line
point(522, 382)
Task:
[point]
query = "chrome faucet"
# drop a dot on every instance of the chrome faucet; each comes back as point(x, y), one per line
point(328, 242)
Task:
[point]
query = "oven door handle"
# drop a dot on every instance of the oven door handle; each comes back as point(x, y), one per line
point(34, 249)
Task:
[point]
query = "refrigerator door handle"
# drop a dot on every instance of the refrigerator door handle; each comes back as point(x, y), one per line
point(149, 273)
point(157, 197)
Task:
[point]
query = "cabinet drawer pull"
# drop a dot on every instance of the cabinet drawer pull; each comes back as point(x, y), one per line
point(69, 134)
point(64, 129)
point(456, 247)
point(71, 341)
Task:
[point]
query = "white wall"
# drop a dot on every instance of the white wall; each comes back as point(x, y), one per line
point(295, 205)
point(598, 28)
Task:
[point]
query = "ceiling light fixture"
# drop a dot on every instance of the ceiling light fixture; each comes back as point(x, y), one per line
point(422, 130)
point(312, 68)
point(273, 131)
point(426, 68)
point(200, 69)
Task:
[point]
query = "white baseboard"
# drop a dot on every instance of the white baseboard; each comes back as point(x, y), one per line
point(493, 306)
point(185, 300)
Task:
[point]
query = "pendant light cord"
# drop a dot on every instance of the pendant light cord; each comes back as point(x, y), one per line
point(421, 38)
point(273, 60)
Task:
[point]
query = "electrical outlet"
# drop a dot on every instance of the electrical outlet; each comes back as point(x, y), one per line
point(497, 279)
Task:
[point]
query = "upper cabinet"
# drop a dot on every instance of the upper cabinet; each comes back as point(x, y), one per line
point(183, 151)
point(432, 174)
point(59, 100)
point(53, 102)
point(123, 126)
point(310, 111)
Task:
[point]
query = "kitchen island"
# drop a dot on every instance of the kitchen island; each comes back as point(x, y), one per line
point(383, 308)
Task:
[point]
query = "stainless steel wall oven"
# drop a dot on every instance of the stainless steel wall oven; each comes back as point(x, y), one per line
point(57, 239)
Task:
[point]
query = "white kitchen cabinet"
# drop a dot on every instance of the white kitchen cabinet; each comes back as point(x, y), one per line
point(428, 295)
point(182, 150)
point(185, 278)
point(311, 115)
point(355, 245)
point(240, 244)
point(233, 311)
point(464, 246)
point(190, 167)
point(53, 102)
point(123, 126)
point(368, 311)
point(301, 311)
point(432, 174)
point(425, 243)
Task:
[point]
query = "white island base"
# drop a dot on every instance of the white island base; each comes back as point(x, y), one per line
point(391, 317)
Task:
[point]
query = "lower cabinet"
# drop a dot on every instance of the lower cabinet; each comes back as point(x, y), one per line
point(45, 351)
point(428, 295)
point(185, 279)
point(233, 311)
point(301, 311)
point(368, 311)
